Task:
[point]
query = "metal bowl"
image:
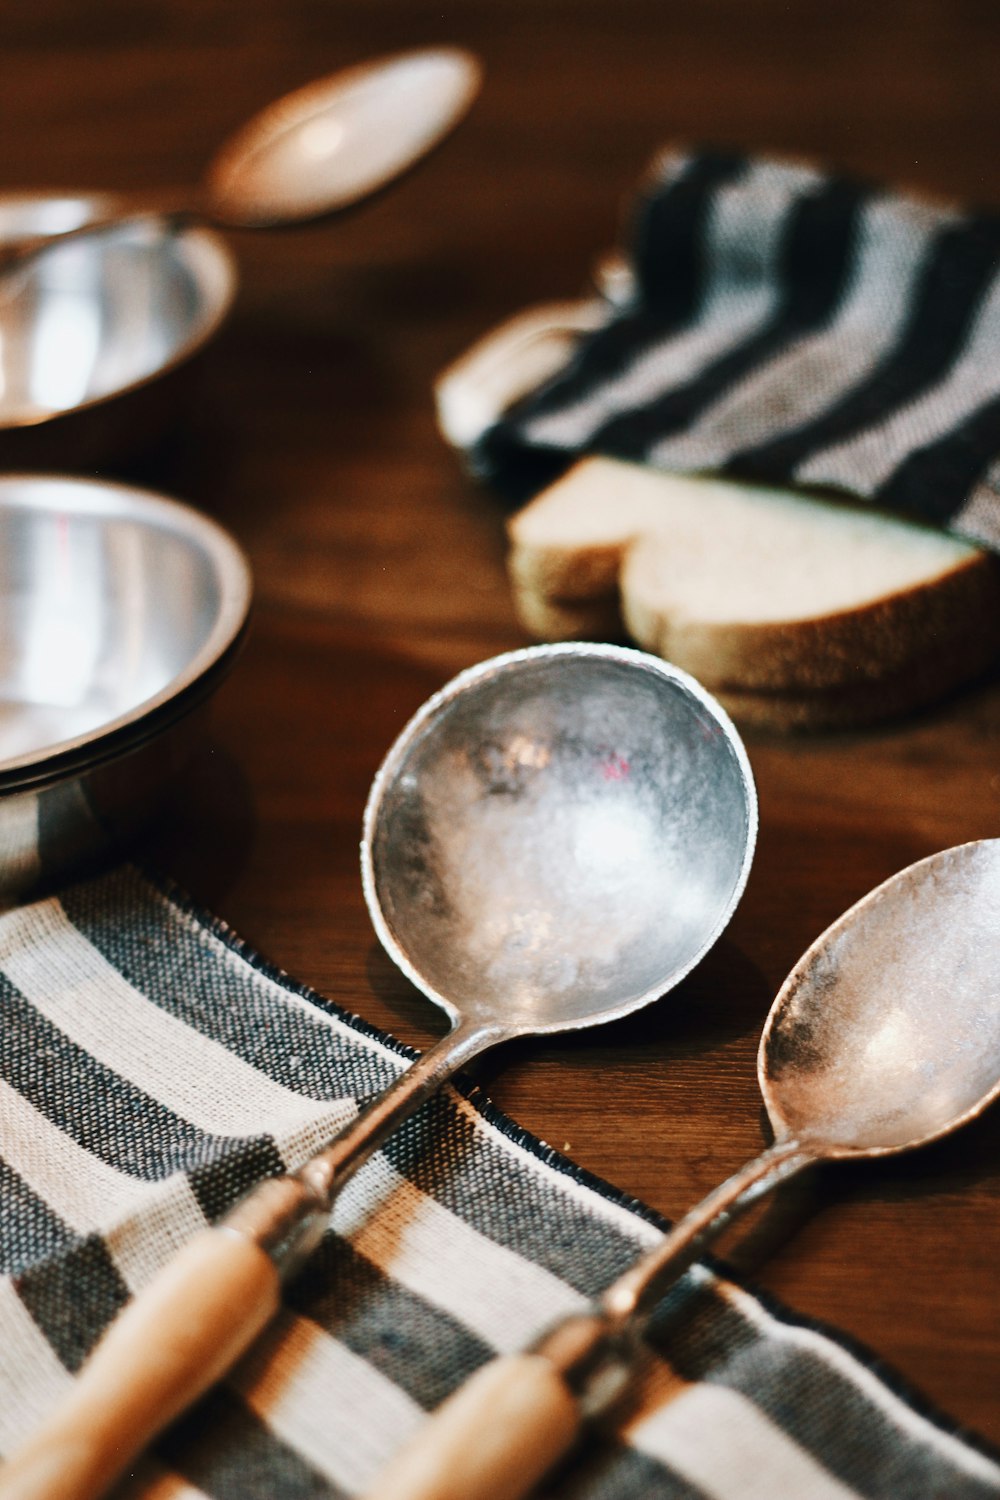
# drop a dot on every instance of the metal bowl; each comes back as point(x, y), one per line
point(91, 328)
point(120, 611)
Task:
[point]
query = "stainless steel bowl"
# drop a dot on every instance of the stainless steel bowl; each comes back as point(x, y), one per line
point(120, 611)
point(91, 329)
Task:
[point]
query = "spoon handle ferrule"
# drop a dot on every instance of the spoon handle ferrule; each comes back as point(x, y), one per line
point(287, 1216)
point(185, 1329)
point(593, 1351)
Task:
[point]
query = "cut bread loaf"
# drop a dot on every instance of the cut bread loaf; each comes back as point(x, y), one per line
point(798, 612)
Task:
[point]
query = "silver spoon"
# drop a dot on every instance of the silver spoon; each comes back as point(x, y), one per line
point(886, 1035)
point(318, 150)
point(555, 839)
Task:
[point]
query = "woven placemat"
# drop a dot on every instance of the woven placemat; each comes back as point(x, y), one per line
point(152, 1067)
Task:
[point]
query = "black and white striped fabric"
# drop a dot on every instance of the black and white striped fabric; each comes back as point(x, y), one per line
point(788, 327)
point(151, 1068)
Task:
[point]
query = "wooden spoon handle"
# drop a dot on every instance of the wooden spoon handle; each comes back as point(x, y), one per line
point(166, 1349)
point(493, 1439)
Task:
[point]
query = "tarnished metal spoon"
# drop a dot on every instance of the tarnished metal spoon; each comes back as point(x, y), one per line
point(886, 1035)
point(555, 839)
point(333, 142)
point(315, 151)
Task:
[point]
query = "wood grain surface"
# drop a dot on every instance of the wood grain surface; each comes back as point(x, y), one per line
point(379, 565)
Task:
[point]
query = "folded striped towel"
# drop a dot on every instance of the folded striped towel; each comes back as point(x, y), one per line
point(791, 327)
point(153, 1067)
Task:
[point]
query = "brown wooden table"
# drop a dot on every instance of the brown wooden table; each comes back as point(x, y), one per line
point(380, 568)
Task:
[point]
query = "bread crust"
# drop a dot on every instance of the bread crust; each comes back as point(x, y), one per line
point(581, 568)
point(548, 619)
point(954, 611)
point(916, 686)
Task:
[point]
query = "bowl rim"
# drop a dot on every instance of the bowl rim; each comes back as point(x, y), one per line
point(113, 499)
point(212, 265)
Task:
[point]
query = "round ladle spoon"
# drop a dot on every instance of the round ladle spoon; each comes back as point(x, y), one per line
point(317, 150)
point(886, 1035)
point(555, 839)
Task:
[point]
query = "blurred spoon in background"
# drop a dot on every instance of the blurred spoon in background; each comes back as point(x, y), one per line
point(315, 151)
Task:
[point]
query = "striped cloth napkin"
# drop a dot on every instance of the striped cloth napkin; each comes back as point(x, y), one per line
point(153, 1067)
point(790, 327)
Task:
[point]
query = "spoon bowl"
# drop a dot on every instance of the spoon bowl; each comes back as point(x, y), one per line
point(324, 147)
point(558, 837)
point(886, 1034)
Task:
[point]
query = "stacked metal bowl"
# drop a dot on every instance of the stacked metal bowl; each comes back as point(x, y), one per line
point(120, 612)
point(98, 332)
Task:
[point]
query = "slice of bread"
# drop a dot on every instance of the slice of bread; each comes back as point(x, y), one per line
point(802, 612)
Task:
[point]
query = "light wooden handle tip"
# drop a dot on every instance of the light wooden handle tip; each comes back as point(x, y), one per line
point(172, 1342)
point(493, 1439)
